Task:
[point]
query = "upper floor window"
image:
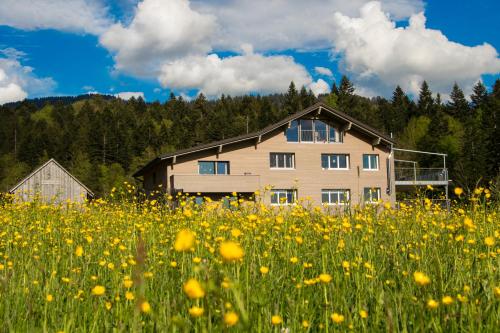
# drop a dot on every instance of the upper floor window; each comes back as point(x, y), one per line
point(282, 160)
point(283, 197)
point(335, 161)
point(213, 168)
point(335, 197)
point(370, 162)
point(371, 194)
point(312, 130)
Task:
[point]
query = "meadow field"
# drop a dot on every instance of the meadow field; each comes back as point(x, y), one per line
point(120, 265)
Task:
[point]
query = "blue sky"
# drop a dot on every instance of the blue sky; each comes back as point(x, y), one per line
point(69, 60)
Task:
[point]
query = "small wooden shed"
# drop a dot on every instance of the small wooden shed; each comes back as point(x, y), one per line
point(51, 183)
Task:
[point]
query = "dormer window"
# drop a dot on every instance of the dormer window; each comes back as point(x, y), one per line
point(312, 131)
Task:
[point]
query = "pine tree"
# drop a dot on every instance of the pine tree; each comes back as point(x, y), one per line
point(425, 102)
point(292, 99)
point(479, 95)
point(346, 100)
point(458, 105)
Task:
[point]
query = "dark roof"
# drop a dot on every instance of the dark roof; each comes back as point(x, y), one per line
point(341, 115)
point(41, 167)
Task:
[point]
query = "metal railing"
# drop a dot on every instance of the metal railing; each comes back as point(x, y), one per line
point(421, 174)
point(313, 136)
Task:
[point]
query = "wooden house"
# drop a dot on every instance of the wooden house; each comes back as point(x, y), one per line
point(51, 183)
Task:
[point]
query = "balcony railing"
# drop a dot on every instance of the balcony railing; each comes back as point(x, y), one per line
point(215, 183)
point(313, 136)
point(421, 176)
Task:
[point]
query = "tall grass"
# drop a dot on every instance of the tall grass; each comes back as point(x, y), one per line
point(52, 258)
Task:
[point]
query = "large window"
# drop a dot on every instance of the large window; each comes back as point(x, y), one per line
point(370, 162)
point(282, 160)
point(213, 168)
point(283, 197)
point(312, 130)
point(335, 197)
point(371, 194)
point(335, 161)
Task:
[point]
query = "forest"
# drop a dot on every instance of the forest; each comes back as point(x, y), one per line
point(103, 140)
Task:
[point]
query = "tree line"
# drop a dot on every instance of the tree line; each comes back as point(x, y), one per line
point(104, 140)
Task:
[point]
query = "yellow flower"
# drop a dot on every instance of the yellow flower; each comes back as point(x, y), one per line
point(145, 307)
point(496, 291)
point(231, 251)
point(305, 323)
point(264, 270)
point(98, 290)
point(325, 278)
point(184, 240)
point(468, 222)
point(230, 318)
point(129, 296)
point(196, 311)
point(276, 320)
point(337, 318)
point(127, 283)
point(294, 260)
point(447, 300)
point(108, 305)
point(489, 241)
point(459, 191)
point(421, 278)
point(173, 264)
point(193, 289)
point(432, 304)
point(363, 314)
point(79, 251)
point(49, 298)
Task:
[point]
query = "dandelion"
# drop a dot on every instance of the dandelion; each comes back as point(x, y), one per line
point(264, 270)
point(294, 260)
point(49, 298)
point(127, 283)
point(489, 241)
point(421, 279)
point(496, 292)
point(196, 311)
point(145, 307)
point(432, 304)
point(276, 320)
point(325, 278)
point(231, 251)
point(305, 324)
point(79, 251)
point(98, 290)
point(363, 314)
point(184, 240)
point(129, 296)
point(337, 318)
point(108, 305)
point(230, 318)
point(193, 289)
point(447, 300)
point(459, 191)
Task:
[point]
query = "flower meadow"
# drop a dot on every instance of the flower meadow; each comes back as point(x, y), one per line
point(125, 265)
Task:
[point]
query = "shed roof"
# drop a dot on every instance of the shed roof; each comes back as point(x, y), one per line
point(320, 106)
point(43, 166)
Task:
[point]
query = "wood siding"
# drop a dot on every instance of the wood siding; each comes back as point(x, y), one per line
point(308, 177)
point(52, 184)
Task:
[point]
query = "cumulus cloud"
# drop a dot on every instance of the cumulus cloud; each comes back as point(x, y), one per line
point(17, 81)
point(87, 16)
point(286, 24)
point(126, 95)
point(160, 31)
point(323, 71)
point(236, 75)
point(379, 55)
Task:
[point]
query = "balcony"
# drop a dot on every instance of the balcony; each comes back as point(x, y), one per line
point(215, 183)
point(421, 176)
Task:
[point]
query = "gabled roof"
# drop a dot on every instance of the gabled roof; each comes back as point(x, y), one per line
point(320, 106)
point(43, 166)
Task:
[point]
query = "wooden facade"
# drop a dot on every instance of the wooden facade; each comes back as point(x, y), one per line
point(248, 159)
point(51, 183)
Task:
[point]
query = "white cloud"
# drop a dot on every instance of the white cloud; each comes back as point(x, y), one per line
point(17, 81)
point(88, 16)
point(126, 95)
point(319, 87)
point(323, 71)
point(236, 75)
point(160, 31)
point(378, 55)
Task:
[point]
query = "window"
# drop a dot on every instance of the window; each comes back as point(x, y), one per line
point(292, 133)
point(371, 194)
point(282, 160)
point(335, 197)
point(312, 130)
point(335, 161)
point(370, 162)
point(283, 197)
point(213, 168)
